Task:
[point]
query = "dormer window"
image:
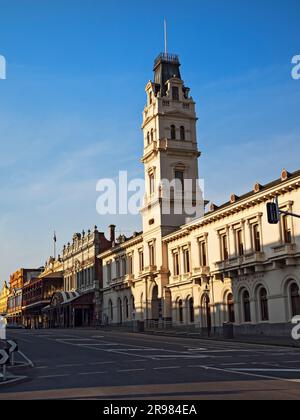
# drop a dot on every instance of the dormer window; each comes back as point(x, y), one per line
point(173, 132)
point(175, 93)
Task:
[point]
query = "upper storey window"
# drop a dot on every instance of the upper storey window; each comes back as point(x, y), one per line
point(173, 132)
point(152, 135)
point(175, 93)
point(182, 133)
point(148, 138)
point(152, 183)
point(150, 98)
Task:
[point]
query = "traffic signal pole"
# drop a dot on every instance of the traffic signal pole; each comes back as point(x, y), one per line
point(286, 213)
point(274, 212)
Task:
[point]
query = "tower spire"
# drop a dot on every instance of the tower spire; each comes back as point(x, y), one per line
point(166, 36)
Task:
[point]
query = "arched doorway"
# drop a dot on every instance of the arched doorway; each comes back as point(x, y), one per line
point(120, 311)
point(295, 299)
point(155, 304)
point(230, 308)
point(191, 312)
point(180, 311)
point(206, 313)
point(126, 309)
point(246, 306)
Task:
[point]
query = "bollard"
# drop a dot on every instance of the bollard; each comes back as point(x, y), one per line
point(3, 323)
point(4, 373)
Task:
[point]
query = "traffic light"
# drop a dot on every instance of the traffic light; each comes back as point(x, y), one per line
point(273, 213)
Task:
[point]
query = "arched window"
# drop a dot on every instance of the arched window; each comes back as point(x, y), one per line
point(230, 308)
point(148, 138)
point(126, 305)
point(191, 311)
point(180, 311)
point(182, 133)
point(173, 132)
point(246, 306)
point(132, 304)
point(295, 299)
point(111, 310)
point(263, 300)
point(120, 310)
point(152, 135)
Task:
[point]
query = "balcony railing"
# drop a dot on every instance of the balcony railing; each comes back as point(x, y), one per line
point(201, 271)
point(169, 58)
point(284, 249)
point(238, 262)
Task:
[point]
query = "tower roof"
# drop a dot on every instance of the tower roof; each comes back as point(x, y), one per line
point(166, 66)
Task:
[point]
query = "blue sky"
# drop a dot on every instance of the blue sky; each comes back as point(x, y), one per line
point(70, 109)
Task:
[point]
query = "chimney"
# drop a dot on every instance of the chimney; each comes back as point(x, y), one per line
point(112, 230)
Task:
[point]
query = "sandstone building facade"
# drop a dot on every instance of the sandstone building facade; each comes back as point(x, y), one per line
point(227, 266)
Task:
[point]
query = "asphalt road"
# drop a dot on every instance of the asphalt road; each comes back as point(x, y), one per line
point(89, 364)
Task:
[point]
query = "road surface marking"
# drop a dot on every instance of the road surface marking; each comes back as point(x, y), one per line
point(167, 367)
point(26, 358)
point(91, 373)
point(101, 363)
point(253, 375)
point(69, 365)
point(53, 376)
point(265, 370)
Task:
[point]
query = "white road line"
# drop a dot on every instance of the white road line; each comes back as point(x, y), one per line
point(232, 364)
point(253, 375)
point(53, 376)
point(91, 373)
point(265, 370)
point(167, 368)
point(69, 365)
point(30, 362)
point(102, 363)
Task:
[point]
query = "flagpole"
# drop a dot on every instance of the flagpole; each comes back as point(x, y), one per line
point(54, 244)
point(166, 37)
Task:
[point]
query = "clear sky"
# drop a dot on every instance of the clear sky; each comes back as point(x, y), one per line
point(70, 109)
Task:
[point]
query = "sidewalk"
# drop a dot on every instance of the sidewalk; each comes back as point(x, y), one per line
point(261, 340)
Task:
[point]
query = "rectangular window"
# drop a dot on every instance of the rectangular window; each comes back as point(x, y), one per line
point(124, 266)
point(130, 264)
point(117, 269)
point(186, 255)
point(176, 264)
point(152, 183)
point(256, 238)
point(224, 247)
point(287, 231)
point(175, 93)
point(109, 272)
point(151, 255)
point(203, 255)
point(240, 243)
point(179, 176)
point(141, 261)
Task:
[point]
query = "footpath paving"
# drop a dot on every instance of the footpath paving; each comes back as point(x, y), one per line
point(263, 340)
